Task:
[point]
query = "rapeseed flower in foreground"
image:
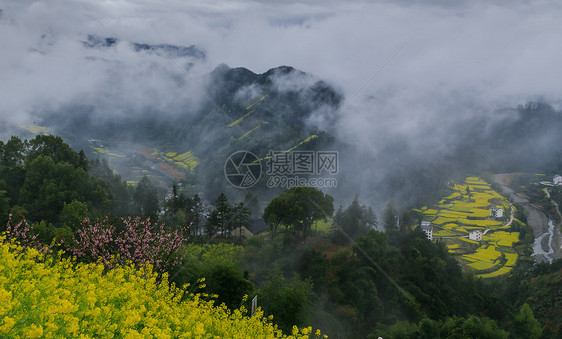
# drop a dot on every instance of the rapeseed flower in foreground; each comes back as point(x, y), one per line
point(46, 296)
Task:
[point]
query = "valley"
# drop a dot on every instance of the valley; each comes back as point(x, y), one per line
point(548, 238)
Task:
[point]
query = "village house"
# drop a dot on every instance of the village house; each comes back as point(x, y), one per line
point(475, 235)
point(428, 229)
point(557, 180)
point(254, 227)
point(496, 212)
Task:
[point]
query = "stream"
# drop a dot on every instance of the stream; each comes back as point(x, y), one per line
point(548, 237)
point(537, 246)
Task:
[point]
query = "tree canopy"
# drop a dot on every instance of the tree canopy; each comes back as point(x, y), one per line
point(297, 208)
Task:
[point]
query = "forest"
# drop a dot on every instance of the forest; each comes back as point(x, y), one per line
point(341, 270)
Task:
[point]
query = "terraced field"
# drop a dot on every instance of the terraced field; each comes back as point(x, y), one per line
point(135, 161)
point(467, 210)
point(105, 151)
point(185, 160)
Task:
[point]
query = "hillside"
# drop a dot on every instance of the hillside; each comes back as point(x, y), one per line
point(275, 110)
point(463, 221)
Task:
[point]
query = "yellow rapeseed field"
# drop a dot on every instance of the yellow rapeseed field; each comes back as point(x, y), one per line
point(502, 238)
point(465, 210)
point(46, 296)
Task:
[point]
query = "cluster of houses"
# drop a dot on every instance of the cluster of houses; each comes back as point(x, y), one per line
point(476, 235)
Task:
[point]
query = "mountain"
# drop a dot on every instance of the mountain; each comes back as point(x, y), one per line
point(150, 118)
point(276, 110)
point(95, 41)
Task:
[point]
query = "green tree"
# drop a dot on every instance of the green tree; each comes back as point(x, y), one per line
point(55, 148)
point(287, 300)
point(525, 323)
point(4, 208)
point(220, 219)
point(122, 204)
point(406, 221)
point(146, 199)
point(229, 282)
point(218, 264)
point(42, 174)
point(48, 185)
point(484, 327)
point(12, 170)
point(73, 214)
point(174, 208)
point(240, 217)
point(194, 214)
point(390, 216)
point(356, 220)
point(298, 208)
point(120, 193)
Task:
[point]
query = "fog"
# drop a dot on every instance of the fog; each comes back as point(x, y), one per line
point(413, 73)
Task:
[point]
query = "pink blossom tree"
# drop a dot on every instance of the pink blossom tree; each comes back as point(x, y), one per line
point(138, 243)
point(21, 232)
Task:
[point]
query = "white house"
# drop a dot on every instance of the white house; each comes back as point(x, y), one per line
point(428, 229)
point(496, 212)
point(557, 180)
point(475, 235)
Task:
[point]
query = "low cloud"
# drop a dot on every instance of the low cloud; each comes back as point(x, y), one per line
point(413, 72)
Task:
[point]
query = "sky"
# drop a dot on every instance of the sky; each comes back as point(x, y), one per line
point(407, 69)
point(396, 54)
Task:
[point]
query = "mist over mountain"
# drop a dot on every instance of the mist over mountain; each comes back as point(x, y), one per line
point(278, 109)
point(273, 111)
point(525, 138)
point(410, 95)
point(174, 51)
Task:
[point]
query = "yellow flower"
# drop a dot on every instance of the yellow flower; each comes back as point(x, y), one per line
point(295, 330)
point(8, 323)
point(89, 301)
point(132, 319)
point(51, 327)
point(132, 334)
point(34, 331)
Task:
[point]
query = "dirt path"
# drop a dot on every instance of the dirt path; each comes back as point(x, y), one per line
point(548, 239)
point(511, 215)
